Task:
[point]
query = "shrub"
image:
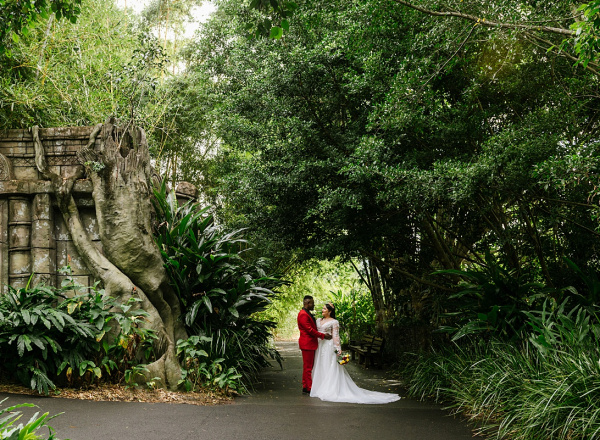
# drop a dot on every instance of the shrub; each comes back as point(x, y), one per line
point(546, 387)
point(221, 293)
point(491, 301)
point(200, 371)
point(52, 334)
point(355, 312)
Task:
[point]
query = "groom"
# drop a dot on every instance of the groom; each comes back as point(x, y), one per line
point(308, 343)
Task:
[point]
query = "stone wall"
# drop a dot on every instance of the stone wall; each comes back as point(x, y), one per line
point(33, 236)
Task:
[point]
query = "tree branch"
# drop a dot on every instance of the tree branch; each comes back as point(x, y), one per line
point(406, 273)
point(488, 23)
point(561, 52)
point(449, 59)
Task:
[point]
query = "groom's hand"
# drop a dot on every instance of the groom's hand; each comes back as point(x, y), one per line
point(328, 336)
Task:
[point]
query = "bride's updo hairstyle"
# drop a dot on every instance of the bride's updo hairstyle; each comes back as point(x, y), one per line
point(331, 309)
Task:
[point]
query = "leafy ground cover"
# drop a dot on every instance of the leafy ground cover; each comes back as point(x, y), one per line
point(58, 342)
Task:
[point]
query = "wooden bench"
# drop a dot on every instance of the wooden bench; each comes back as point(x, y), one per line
point(369, 350)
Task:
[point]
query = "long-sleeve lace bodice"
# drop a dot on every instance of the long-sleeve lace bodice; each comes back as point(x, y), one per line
point(330, 380)
point(331, 327)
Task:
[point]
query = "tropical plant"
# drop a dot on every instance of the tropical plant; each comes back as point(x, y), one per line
point(72, 334)
point(221, 293)
point(492, 301)
point(545, 387)
point(558, 327)
point(28, 431)
point(200, 372)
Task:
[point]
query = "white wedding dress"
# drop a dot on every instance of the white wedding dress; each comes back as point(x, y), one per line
point(331, 381)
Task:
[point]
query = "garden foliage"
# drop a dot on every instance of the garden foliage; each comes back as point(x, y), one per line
point(69, 335)
point(220, 291)
point(543, 387)
point(9, 430)
point(355, 311)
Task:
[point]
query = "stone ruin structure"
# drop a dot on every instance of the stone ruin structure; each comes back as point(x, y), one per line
point(34, 239)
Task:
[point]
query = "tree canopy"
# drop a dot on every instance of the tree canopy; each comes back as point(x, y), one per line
point(416, 140)
point(379, 131)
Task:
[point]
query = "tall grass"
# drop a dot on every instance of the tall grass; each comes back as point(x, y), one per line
point(546, 387)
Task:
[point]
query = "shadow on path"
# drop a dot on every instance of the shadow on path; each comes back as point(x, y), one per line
point(276, 410)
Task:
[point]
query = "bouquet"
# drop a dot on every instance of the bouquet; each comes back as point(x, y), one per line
point(343, 358)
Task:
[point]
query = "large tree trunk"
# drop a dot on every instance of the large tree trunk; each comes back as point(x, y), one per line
point(131, 264)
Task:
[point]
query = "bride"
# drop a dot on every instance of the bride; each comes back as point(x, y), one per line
point(331, 381)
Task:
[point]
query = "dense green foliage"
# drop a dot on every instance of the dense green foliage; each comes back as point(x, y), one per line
point(220, 292)
point(409, 142)
point(61, 74)
point(355, 312)
point(18, 17)
point(543, 388)
point(69, 335)
point(452, 162)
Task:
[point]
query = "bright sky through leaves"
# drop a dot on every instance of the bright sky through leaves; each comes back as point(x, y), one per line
point(200, 13)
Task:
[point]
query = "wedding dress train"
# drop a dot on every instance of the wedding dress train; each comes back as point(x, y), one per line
point(331, 381)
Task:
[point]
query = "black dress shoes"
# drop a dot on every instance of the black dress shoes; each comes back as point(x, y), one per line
point(305, 391)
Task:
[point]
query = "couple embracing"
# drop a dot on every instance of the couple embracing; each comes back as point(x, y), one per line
point(322, 375)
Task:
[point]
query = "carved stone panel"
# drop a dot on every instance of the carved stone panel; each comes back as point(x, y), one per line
point(3, 245)
point(5, 168)
point(33, 236)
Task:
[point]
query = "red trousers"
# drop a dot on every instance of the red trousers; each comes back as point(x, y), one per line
point(308, 360)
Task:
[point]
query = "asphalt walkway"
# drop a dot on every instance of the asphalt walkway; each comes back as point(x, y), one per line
point(277, 410)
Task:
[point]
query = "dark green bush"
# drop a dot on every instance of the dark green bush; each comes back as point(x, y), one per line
point(491, 302)
point(50, 335)
point(221, 293)
point(545, 387)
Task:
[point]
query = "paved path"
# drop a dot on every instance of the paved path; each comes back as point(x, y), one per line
point(275, 411)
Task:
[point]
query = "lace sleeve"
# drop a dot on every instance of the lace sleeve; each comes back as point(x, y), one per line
point(336, 337)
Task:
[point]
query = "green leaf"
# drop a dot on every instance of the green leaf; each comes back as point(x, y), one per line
point(26, 316)
point(38, 342)
point(71, 307)
point(276, 32)
point(208, 303)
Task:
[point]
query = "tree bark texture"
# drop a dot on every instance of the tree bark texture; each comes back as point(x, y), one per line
point(130, 264)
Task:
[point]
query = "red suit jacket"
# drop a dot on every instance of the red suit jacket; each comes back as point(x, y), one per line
point(308, 331)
